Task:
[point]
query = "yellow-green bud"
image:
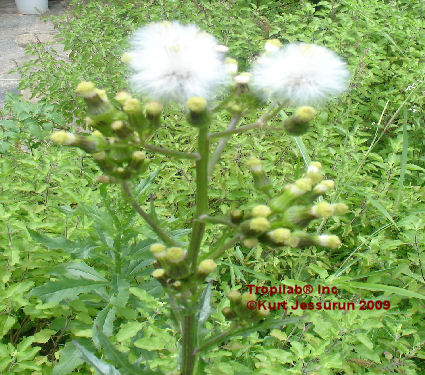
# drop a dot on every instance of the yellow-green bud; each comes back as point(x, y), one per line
point(261, 210)
point(236, 216)
point(138, 155)
point(300, 186)
point(157, 248)
point(153, 109)
point(126, 57)
point(132, 106)
point(159, 273)
point(316, 164)
point(292, 241)
point(322, 209)
point(99, 155)
point(330, 241)
point(250, 242)
point(246, 297)
point(63, 138)
point(263, 313)
point(175, 254)
point(120, 170)
point(102, 94)
point(86, 89)
point(324, 187)
point(117, 125)
point(207, 266)
point(228, 313)
point(122, 97)
point(340, 208)
point(234, 296)
point(305, 113)
point(254, 165)
point(196, 104)
point(177, 284)
point(97, 133)
point(279, 235)
point(259, 224)
point(298, 123)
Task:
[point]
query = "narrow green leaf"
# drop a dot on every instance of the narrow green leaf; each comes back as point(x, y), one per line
point(386, 288)
point(102, 367)
point(78, 270)
point(57, 291)
point(69, 359)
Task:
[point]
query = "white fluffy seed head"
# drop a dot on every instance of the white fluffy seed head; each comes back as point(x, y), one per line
point(173, 62)
point(300, 73)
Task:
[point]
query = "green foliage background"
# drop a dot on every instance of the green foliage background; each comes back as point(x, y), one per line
point(370, 141)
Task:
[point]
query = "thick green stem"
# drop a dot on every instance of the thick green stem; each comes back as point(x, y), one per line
point(198, 227)
point(188, 345)
point(190, 325)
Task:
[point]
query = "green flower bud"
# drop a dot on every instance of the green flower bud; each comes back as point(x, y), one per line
point(198, 114)
point(157, 248)
point(255, 226)
point(86, 89)
point(138, 156)
point(322, 209)
point(122, 97)
point(323, 187)
point(246, 297)
point(298, 124)
point(261, 211)
point(234, 296)
point(177, 284)
point(207, 266)
point(279, 235)
point(236, 216)
point(250, 242)
point(314, 172)
point(326, 240)
point(159, 273)
point(175, 255)
point(262, 313)
point(291, 193)
point(132, 106)
point(228, 313)
point(99, 155)
point(261, 182)
point(63, 138)
point(340, 208)
point(153, 109)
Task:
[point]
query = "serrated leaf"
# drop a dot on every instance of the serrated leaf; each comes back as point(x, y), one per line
point(43, 336)
point(57, 291)
point(102, 367)
point(69, 359)
point(78, 270)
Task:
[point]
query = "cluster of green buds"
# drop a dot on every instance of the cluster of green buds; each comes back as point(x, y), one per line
point(243, 309)
point(119, 133)
point(283, 219)
point(172, 269)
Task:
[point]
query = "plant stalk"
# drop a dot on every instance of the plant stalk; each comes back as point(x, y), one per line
point(190, 325)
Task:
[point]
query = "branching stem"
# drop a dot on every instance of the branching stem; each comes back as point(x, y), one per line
point(155, 227)
point(175, 153)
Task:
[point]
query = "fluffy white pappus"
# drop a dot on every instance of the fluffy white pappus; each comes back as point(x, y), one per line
point(300, 73)
point(174, 62)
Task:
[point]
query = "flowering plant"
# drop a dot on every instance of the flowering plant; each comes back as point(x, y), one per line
point(176, 63)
